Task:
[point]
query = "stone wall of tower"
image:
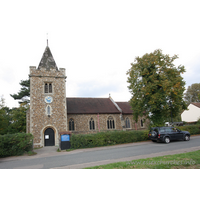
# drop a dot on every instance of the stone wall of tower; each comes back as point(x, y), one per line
point(28, 121)
point(39, 119)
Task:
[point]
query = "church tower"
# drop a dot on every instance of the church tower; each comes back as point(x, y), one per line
point(48, 110)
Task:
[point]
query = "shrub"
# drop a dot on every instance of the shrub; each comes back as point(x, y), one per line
point(193, 129)
point(107, 138)
point(15, 144)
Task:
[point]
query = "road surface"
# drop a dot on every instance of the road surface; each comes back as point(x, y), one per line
point(49, 158)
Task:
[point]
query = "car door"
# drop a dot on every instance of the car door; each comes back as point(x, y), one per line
point(179, 134)
point(172, 133)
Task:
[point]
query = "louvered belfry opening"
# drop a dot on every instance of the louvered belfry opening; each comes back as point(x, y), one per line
point(48, 88)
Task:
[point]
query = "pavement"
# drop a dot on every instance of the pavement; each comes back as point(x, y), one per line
point(51, 151)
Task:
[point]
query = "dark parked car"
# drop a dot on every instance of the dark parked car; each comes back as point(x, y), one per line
point(167, 134)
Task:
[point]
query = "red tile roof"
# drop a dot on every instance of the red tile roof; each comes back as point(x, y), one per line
point(95, 105)
point(125, 106)
point(91, 106)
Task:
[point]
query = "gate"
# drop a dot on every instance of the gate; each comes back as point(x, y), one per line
point(49, 138)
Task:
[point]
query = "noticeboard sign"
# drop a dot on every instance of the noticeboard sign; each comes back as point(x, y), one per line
point(65, 138)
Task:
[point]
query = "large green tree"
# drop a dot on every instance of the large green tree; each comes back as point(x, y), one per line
point(156, 86)
point(193, 93)
point(24, 92)
point(12, 120)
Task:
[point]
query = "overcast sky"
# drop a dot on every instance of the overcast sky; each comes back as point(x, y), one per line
point(95, 41)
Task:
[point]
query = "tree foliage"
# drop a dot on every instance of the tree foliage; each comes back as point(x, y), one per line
point(12, 120)
point(193, 93)
point(18, 119)
point(24, 92)
point(4, 119)
point(156, 86)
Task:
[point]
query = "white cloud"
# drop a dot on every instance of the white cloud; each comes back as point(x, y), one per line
point(95, 40)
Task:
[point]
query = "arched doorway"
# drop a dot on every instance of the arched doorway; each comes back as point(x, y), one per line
point(49, 137)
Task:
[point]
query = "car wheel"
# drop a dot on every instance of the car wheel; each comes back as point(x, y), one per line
point(167, 140)
point(187, 138)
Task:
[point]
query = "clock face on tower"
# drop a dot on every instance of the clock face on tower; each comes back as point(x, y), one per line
point(48, 99)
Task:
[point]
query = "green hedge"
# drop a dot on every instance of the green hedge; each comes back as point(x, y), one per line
point(193, 129)
point(107, 138)
point(15, 144)
point(118, 137)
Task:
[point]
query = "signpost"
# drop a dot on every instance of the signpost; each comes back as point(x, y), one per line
point(65, 140)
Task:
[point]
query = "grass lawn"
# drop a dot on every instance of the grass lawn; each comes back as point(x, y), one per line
point(190, 160)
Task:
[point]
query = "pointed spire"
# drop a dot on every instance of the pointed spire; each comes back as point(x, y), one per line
point(47, 60)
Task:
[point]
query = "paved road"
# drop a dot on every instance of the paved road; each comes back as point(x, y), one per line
point(47, 157)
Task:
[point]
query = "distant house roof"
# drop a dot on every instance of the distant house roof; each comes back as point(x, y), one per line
point(192, 113)
point(197, 104)
point(95, 105)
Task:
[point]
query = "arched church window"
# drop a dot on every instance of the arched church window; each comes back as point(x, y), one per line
point(110, 123)
point(92, 126)
point(48, 88)
point(127, 123)
point(71, 125)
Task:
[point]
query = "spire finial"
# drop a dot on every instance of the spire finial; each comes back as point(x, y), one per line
point(47, 40)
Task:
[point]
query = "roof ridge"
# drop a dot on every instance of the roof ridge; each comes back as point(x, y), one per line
point(117, 106)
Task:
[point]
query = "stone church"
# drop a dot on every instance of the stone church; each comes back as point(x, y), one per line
point(51, 113)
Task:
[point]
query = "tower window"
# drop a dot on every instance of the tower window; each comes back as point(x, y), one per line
point(48, 88)
point(48, 110)
point(110, 123)
point(71, 125)
point(92, 126)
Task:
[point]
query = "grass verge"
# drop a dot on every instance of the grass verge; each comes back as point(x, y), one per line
point(190, 160)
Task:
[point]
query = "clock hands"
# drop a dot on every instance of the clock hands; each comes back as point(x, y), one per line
point(48, 99)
